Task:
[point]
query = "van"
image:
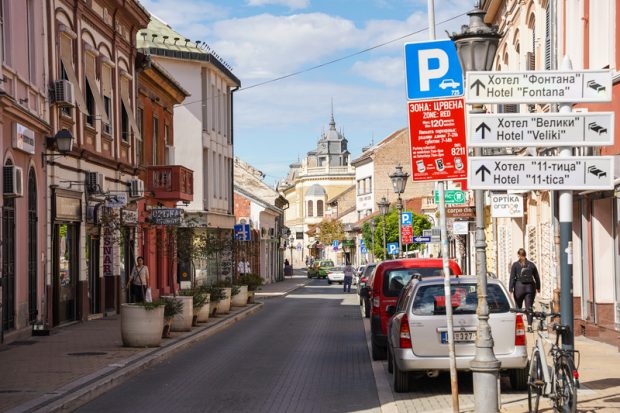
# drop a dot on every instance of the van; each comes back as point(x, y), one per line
point(385, 285)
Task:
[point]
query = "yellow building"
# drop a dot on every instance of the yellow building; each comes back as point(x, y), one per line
point(322, 175)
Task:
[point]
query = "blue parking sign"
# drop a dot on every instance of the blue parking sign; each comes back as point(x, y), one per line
point(392, 248)
point(433, 70)
point(406, 218)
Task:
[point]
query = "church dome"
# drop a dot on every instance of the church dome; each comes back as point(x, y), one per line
point(315, 190)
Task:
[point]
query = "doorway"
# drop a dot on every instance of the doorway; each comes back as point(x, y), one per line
point(8, 264)
point(92, 262)
point(65, 271)
point(32, 247)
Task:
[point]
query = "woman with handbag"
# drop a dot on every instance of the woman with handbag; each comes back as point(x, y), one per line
point(524, 283)
point(138, 282)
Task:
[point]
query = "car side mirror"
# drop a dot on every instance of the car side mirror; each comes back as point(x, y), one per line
point(390, 310)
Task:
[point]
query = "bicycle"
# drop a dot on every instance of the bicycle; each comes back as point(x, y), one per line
point(558, 382)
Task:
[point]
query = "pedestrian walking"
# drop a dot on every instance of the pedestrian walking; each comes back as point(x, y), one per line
point(348, 278)
point(288, 268)
point(524, 283)
point(243, 267)
point(138, 281)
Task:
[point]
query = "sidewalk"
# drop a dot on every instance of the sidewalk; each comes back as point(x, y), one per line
point(282, 288)
point(78, 362)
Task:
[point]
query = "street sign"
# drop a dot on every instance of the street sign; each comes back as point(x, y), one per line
point(392, 248)
point(506, 205)
point(542, 172)
point(406, 233)
point(460, 212)
point(437, 139)
point(460, 227)
point(363, 249)
point(540, 129)
point(420, 238)
point(118, 200)
point(433, 70)
point(166, 216)
point(406, 218)
point(242, 232)
point(452, 196)
point(539, 87)
point(298, 247)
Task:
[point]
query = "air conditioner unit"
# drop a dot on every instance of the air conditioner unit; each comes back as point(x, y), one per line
point(13, 184)
point(63, 93)
point(136, 188)
point(94, 182)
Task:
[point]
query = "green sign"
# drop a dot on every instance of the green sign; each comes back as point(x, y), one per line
point(453, 197)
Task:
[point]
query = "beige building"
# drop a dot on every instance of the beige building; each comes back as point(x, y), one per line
point(322, 175)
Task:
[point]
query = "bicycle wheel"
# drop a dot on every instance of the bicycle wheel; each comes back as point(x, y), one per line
point(535, 383)
point(565, 400)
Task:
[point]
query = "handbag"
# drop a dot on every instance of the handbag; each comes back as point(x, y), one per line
point(148, 296)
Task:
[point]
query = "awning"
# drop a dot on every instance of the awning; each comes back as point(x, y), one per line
point(90, 77)
point(67, 62)
point(127, 103)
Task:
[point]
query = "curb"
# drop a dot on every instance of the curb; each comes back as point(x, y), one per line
point(87, 388)
point(267, 296)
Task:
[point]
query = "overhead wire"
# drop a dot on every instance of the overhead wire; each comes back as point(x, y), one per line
point(329, 62)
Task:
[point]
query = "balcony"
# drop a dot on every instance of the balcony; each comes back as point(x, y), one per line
point(170, 183)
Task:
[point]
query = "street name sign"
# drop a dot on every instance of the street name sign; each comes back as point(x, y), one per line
point(540, 129)
point(506, 205)
point(242, 232)
point(433, 70)
point(539, 87)
point(542, 173)
point(452, 196)
point(392, 248)
point(421, 239)
point(438, 140)
point(166, 216)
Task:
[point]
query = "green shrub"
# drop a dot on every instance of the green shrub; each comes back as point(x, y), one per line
point(234, 290)
point(199, 296)
point(217, 293)
point(172, 307)
point(253, 281)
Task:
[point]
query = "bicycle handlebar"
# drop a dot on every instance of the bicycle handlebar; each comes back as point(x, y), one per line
point(541, 315)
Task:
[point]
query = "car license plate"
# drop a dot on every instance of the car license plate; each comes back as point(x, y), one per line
point(459, 337)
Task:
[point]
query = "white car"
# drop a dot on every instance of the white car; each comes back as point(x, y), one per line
point(335, 275)
point(449, 83)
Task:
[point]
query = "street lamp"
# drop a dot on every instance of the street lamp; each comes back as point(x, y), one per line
point(62, 142)
point(476, 46)
point(291, 241)
point(373, 226)
point(399, 182)
point(384, 204)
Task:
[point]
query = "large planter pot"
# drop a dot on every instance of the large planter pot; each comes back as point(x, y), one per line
point(251, 297)
point(203, 313)
point(223, 307)
point(141, 327)
point(183, 321)
point(213, 307)
point(241, 299)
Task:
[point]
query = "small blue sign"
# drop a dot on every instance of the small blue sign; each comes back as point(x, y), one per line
point(406, 218)
point(363, 249)
point(335, 244)
point(420, 238)
point(242, 232)
point(362, 242)
point(433, 70)
point(392, 248)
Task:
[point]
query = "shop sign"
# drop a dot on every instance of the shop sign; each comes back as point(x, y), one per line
point(68, 208)
point(129, 217)
point(108, 251)
point(461, 212)
point(23, 139)
point(118, 200)
point(460, 227)
point(506, 205)
point(166, 216)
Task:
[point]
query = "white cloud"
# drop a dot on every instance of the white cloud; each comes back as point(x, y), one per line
point(389, 71)
point(291, 4)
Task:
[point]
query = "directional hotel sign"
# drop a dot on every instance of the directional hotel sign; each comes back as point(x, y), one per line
point(538, 87)
point(541, 172)
point(542, 129)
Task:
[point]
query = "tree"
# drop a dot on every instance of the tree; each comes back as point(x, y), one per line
point(330, 230)
point(419, 223)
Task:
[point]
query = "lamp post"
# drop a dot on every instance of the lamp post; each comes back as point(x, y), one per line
point(476, 46)
point(373, 226)
point(384, 204)
point(399, 182)
point(291, 246)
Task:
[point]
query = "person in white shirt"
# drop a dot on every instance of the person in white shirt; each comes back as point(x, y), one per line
point(243, 267)
point(138, 281)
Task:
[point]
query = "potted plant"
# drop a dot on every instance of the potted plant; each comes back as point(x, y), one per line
point(199, 299)
point(216, 294)
point(253, 281)
point(183, 321)
point(172, 308)
point(142, 324)
point(223, 307)
point(239, 294)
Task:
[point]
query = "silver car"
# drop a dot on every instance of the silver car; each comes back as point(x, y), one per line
point(418, 337)
point(335, 275)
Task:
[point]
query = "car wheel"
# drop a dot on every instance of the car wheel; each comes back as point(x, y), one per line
point(378, 353)
point(329, 282)
point(340, 283)
point(401, 380)
point(390, 361)
point(518, 378)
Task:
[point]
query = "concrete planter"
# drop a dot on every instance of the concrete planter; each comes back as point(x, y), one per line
point(241, 299)
point(141, 327)
point(223, 307)
point(213, 307)
point(251, 297)
point(203, 313)
point(183, 321)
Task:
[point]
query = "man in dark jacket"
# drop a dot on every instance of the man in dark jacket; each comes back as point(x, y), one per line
point(524, 283)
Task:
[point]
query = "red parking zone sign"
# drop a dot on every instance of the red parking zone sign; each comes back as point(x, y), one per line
point(437, 138)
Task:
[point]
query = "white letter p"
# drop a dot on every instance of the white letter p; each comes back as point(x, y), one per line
point(426, 73)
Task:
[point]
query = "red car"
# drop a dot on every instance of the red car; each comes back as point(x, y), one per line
point(385, 285)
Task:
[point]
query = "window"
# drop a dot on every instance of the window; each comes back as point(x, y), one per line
point(319, 208)
point(213, 105)
point(155, 140)
point(106, 91)
point(139, 141)
point(430, 299)
point(65, 110)
point(359, 187)
point(395, 280)
point(2, 32)
point(90, 106)
point(30, 41)
point(124, 123)
point(68, 72)
point(309, 211)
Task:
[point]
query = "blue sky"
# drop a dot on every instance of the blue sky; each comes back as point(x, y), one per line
point(264, 39)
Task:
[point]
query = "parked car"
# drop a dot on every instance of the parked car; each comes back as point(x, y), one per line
point(320, 268)
point(357, 274)
point(335, 275)
point(418, 336)
point(387, 281)
point(362, 288)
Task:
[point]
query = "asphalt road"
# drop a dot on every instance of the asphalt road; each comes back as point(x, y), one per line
point(302, 353)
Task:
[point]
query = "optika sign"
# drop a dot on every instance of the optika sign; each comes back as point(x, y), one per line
point(506, 206)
